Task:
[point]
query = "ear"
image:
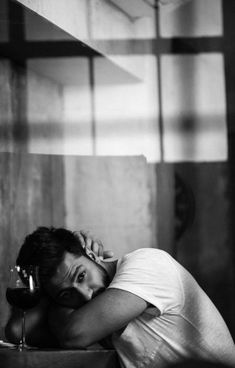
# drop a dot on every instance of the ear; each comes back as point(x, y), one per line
point(92, 255)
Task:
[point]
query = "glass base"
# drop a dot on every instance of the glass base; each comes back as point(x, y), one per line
point(22, 347)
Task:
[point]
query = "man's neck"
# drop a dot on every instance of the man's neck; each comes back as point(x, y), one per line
point(110, 267)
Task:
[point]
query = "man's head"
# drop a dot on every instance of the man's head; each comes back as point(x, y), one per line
point(66, 273)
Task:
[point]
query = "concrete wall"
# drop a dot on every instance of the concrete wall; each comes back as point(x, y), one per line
point(31, 111)
point(111, 197)
point(206, 247)
point(13, 124)
point(44, 115)
point(189, 88)
point(193, 224)
point(191, 18)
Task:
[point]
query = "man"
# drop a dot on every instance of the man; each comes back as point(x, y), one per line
point(155, 311)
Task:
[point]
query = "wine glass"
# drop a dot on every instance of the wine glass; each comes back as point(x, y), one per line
point(23, 292)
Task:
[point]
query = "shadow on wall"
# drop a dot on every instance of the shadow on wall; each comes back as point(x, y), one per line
point(205, 247)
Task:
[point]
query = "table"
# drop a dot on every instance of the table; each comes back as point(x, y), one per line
point(10, 358)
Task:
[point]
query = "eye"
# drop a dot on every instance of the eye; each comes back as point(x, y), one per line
point(81, 276)
point(65, 295)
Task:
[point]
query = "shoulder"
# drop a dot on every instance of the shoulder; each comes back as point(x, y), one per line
point(151, 274)
point(144, 257)
point(145, 265)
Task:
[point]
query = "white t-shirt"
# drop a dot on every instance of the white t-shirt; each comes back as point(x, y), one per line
point(189, 325)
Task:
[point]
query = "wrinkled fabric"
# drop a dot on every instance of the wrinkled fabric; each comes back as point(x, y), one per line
point(189, 325)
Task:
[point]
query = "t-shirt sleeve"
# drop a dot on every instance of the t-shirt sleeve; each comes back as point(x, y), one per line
point(152, 275)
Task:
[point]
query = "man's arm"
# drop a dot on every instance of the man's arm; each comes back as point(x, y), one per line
point(100, 317)
point(36, 323)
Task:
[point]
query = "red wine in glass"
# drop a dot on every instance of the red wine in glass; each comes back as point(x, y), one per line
point(22, 297)
point(23, 292)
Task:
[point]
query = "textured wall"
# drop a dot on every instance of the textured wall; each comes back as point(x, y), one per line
point(30, 111)
point(111, 196)
point(44, 114)
point(13, 123)
point(206, 247)
point(201, 205)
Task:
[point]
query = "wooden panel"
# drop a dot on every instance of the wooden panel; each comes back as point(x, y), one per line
point(31, 194)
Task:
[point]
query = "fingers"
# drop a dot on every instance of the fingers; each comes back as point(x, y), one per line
point(81, 238)
point(108, 254)
point(88, 239)
point(97, 248)
point(94, 244)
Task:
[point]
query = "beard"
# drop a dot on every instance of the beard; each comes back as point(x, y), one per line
point(105, 279)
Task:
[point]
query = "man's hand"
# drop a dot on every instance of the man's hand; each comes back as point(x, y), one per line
point(89, 241)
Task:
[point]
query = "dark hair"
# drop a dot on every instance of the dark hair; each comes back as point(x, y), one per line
point(45, 248)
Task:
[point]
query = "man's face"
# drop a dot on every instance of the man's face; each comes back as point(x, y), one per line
point(76, 281)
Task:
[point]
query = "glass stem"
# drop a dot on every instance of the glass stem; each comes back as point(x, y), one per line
point(22, 340)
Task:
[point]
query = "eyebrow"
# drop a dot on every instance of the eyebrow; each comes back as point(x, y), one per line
point(66, 275)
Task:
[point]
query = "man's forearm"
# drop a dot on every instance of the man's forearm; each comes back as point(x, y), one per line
point(60, 325)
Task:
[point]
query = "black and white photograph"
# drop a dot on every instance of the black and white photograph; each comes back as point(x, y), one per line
point(117, 183)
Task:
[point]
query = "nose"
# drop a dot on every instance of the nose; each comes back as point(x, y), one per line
point(84, 291)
